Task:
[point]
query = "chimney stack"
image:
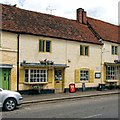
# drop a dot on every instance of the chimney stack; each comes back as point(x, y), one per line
point(81, 16)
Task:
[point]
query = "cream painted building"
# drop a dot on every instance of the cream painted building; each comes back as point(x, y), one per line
point(63, 52)
point(8, 62)
point(49, 53)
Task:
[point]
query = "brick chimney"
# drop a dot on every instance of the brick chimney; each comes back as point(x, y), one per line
point(81, 16)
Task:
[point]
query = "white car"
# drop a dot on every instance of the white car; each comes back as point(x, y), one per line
point(10, 99)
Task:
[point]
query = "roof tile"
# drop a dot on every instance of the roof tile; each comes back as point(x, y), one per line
point(23, 21)
point(19, 20)
point(107, 31)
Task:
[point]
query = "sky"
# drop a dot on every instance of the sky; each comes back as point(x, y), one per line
point(106, 10)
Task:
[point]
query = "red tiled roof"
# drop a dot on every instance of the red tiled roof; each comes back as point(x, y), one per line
point(107, 31)
point(24, 21)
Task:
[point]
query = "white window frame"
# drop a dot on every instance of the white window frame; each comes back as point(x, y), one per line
point(37, 79)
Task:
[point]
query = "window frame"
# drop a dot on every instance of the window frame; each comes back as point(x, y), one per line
point(112, 72)
point(114, 50)
point(84, 73)
point(32, 73)
point(84, 50)
point(41, 44)
point(44, 49)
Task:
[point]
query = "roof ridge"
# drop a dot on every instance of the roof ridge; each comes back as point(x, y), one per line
point(38, 12)
point(36, 23)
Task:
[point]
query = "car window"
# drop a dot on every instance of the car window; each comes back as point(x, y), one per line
point(0, 89)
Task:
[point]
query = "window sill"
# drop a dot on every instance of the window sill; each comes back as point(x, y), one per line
point(111, 81)
point(84, 55)
point(33, 83)
point(84, 81)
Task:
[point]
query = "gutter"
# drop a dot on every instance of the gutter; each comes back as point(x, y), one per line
point(58, 37)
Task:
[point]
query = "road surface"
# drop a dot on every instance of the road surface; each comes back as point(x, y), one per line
point(92, 107)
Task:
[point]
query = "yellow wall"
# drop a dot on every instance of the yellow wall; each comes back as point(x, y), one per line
point(8, 52)
point(62, 50)
point(106, 53)
point(91, 62)
point(108, 57)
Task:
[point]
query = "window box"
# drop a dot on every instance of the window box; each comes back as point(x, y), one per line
point(46, 62)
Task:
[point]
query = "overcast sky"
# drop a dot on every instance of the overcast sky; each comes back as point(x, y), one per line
point(106, 10)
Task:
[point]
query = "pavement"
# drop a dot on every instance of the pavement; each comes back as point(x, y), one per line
point(40, 98)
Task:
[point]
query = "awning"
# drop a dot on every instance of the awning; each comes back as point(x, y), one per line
point(43, 65)
point(7, 66)
point(112, 64)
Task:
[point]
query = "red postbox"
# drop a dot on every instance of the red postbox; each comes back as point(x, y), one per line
point(72, 88)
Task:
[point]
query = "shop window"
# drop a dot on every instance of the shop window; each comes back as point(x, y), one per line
point(35, 75)
point(26, 75)
point(112, 72)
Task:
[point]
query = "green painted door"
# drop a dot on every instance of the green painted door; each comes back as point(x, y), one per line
point(5, 79)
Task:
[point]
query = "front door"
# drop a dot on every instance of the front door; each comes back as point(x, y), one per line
point(59, 77)
point(4, 78)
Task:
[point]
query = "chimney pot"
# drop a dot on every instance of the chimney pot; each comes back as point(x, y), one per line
point(81, 16)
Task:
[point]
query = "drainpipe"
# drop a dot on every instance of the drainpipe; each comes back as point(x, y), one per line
point(101, 64)
point(18, 39)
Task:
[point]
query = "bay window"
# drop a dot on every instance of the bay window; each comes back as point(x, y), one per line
point(112, 72)
point(36, 75)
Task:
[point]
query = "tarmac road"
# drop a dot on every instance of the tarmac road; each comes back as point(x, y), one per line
point(92, 107)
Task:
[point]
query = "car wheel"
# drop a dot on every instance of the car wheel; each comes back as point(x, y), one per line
point(9, 104)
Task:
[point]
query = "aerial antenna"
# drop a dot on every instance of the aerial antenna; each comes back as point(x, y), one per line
point(50, 9)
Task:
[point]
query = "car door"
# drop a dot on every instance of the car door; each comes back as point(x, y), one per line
point(1, 98)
